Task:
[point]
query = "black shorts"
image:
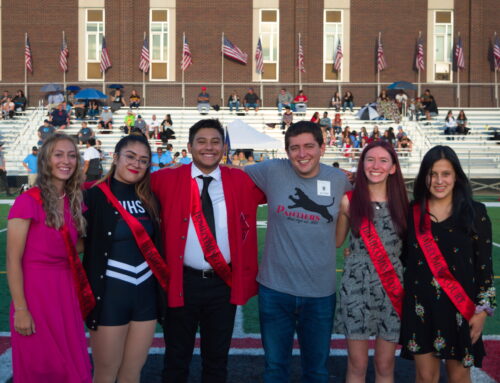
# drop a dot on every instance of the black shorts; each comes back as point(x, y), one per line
point(125, 302)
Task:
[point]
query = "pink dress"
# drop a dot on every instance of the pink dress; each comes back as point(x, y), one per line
point(57, 352)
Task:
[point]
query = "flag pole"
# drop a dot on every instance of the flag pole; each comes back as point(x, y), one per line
point(298, 65)
point(378, 70)
point(418, 66)
point(183, 94)
point(496, 71)
point(458, 76)
point(64, 71)
point(222, 72)
point(144, 76)
point(25, 69)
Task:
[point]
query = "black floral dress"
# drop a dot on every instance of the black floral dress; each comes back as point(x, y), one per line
point(431, 323)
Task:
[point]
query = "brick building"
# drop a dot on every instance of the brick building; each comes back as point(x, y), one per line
point(322, 24)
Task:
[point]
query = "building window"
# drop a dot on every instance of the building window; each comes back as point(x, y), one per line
point(159, 35)
point(269, 26)
point(332, 34)
point(443, 45)
point(94, 30)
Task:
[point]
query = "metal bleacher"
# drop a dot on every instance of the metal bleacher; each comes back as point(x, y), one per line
point(480, 156)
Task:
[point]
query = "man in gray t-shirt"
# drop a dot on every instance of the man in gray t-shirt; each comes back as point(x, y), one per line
point(297, 271)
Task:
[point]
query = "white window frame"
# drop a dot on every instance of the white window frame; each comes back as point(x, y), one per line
point(101, 28)
point(277, 33)
point(450, 44)
point(339, 30)
point(164, 49)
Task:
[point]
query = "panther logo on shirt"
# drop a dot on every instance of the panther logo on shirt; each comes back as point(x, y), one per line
point(303, 201)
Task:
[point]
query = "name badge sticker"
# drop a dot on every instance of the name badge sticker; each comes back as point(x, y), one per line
point(324, 188)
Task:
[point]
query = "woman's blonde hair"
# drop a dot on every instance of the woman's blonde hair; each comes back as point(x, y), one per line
point(72, 188)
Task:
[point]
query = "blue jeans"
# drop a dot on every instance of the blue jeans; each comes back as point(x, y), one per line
point(347, 104)
point(234, 104)
point(281, 106)
point(280, 316)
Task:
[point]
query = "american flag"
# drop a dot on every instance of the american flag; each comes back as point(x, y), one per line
point(63, 57)
point(338, 57)
point(259, 58)
point(28, 59)
point(300, 58)
point(459, 55)
point(381, 64)
point(419, 60)
point(105, 60)
point(496, 53)
point(187, 59)
point(144, 62)
point(232, 51)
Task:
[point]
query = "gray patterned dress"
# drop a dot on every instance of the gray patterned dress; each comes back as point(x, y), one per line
point(364, 308)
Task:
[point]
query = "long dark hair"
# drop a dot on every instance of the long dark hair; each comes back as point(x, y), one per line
point(462, 209)
point(397, 199)
point(143, 187)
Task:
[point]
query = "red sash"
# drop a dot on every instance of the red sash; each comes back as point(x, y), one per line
point(82, 286)
point(383, 265)
point(439, 267)
point(146, 246)
point(207, 241)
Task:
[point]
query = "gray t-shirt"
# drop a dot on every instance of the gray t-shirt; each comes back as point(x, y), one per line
point(299, 253)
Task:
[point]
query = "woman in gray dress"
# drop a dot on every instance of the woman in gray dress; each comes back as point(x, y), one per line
point(371, 293)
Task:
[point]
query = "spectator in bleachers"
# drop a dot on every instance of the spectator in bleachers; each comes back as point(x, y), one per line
point(134, 99)
point(234, 102)
point(287, 118)
point(402, 102)
point(251, 100)
point(106, 128)
point(92, 167)
point(45, 131)
point(203, 101)
point(383, 96)
point(375, 131)
point(5, 95)
point(140, 124)
point(400, 134)
point(299, 103)
point(158, 159)
point(450, 124)
point(172, 156)
point(315, 118)
point(3, 172)
point(20, 100)
point(8, 108)
point(242, 158)
point(235, 160)
point(416, 109)
point(336, 101)
point(118, 101)
point(429, 105)
point(106, 114)
point(53, 100)
point(348, 101)
point(284, 99)
point(80, 107)
point(184, 160)
point(337, 124)
point(30, 163)
point(93, 109)
point(153, 127)
point(129, 121)
point(405, 145)
point(85, 134)
point(59, 117)
point(167, 131)
point(326, 126)
point(70, 98)
point(251, 160)
point(348, 148)
point(462, 123)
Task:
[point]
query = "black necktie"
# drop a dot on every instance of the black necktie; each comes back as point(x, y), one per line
point(206, 204)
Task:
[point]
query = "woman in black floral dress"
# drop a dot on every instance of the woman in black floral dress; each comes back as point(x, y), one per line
point(433, 326)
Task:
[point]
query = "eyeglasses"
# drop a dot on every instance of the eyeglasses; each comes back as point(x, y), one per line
point(132, 160)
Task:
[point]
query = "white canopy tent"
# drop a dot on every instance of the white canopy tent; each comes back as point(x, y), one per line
point(243, 136)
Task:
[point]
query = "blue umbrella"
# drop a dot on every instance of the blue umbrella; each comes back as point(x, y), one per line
point(115, 86)
point(90, 94)
point(402, 85)
point(51, 88)
point(73, 88)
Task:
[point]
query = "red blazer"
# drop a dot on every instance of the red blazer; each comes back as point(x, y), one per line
point(173, 190)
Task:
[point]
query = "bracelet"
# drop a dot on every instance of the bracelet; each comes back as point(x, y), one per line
point(20, 308)
point(487, 308)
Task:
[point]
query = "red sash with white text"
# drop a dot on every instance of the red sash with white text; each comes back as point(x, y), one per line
point(439, 267)
point(208, 243)
point(146, 246)
point(84, 293)
point(382, 263)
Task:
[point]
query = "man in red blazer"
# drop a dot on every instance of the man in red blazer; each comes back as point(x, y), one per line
point(212, 254)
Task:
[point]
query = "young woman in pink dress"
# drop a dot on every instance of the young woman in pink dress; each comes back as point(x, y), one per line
point(48, 338)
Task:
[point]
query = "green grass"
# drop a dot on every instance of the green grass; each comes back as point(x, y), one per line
point(250, 310)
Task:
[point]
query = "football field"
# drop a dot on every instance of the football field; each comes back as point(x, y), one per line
point(246, 347)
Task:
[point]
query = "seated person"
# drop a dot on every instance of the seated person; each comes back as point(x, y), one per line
point(140, 124)
point(118, 100)
point(429, 105)
point(84, 134)
point(8, 108)
point(337, 124)
point(106, 114)
point(184, 160)
point(326, 127)
point(45, 131)
point(348, 101)
point(93, 109)
point(20, 100)
point(336, 101)
point(287, 118)
point(134, 99)
point(153, 127)
point(233, 102)
point(416, 109)
point(160, 159)
point(105, 127)
point(450, 124)
point(402, 102)
point(300, 102)
point(59, 117)
point(405, 145)
point(203, 101)
point(5, 95)
point(400, 134)
point(284, 99)
point(462, 123)
point(80, 109)
point(251, 100)
point(129, 121)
